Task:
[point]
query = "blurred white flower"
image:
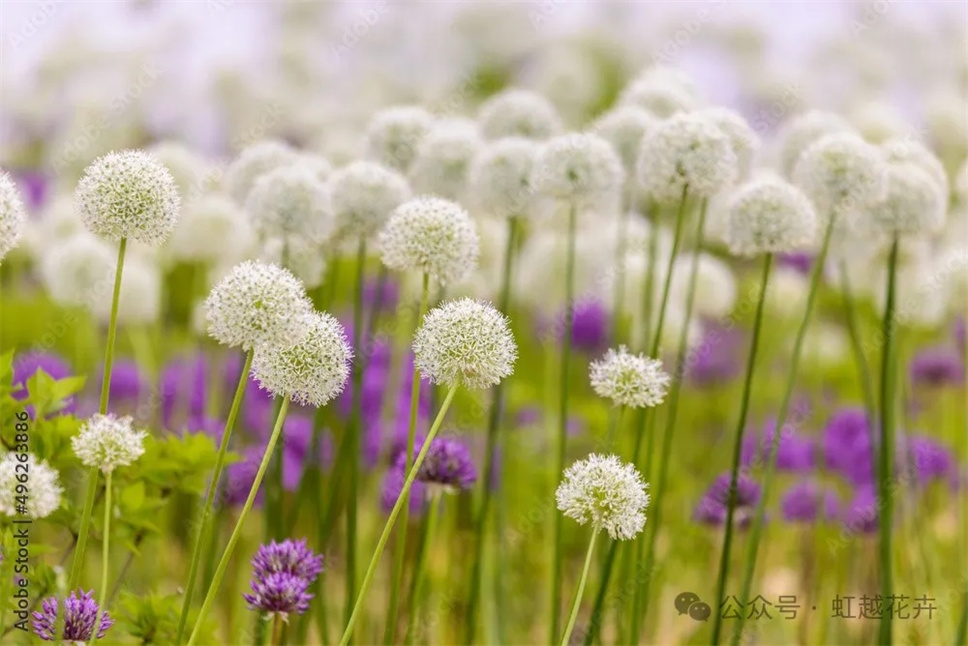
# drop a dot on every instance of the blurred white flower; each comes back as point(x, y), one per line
point(632, 380)
point(13, 215)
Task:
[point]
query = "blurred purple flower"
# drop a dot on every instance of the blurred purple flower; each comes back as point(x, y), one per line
point(393, 485)
point(26, 366)
point(717, 357)
point(846, 445)
point(805, 501)
point(937, 367)
point(183, 389)
point(713, 507)
point(860, 515)
point(239, 477)
point(799, 260)
point(929, 460)
point(127, 381)
point(34, 185)
point(448, 464)
point(794, 452)
point(79, 616)
point(388, 293)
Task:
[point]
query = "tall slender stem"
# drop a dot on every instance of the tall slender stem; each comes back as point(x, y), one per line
point(112, 330)
point(618, 309)
point(206, 511)
point(401, 546)
point(863, 368)
point(355, 428)
point(420, 567)
point(105, 557)
point(581, 590)
point(563, 414)
point(402, 500)
point(749, 567)
point(885, 474)
point(492, 446)
point(737, 444)
point(648, 285)
point(640, 610)
point(223, 563)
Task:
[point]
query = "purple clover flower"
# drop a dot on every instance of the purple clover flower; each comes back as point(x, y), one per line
point(79, 616)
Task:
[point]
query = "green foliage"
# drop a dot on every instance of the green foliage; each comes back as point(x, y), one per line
point(179, 462)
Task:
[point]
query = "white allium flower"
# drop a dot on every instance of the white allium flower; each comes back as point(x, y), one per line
point(310, 372)
point(307, 261)
point(139, 301)
point(604, 491)
point(394, 134)
point(79, 270)
point(256, 304)
point(579, 168)
point(802, 131)
point(742, 139)
point(624, 127)
point(878, 122)
point(786, 293)
point(769, 215)
point(465, 342)
point(961, 184)
point(432, 235)
point(500, 177)
point(128, 195)
point(685, 151)
point(715, 285)
point(108, 442)
point(293, 203)
point(662, 92)
point(921, 294)
point(913, 204)
point(212, 227)
point(43, 486)
point(13, 215)
point(444, 157)
point(825, 345)
point(193, 175)
point(841, 172)
point(904, 150)
point(316, 164)
point(518, 113)
point(253, 162)
point(364, 194)
point(632, 380)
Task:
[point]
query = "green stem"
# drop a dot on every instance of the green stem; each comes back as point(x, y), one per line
point(419, 568)
point(639, 611)
point(749, 568)
point(210, 496)
point(277, 626)
point(618, 310)
point(667, 282)
point(648, 285)
point(737, 444)
point(355, 429)
point(563, 415)
point(614, 422)
point(401, 547)
point(885, 474)
point(863, 368)
point(112, 330)
point(402, 500)
point(494, 420)
point(105, 557)
point(237, 530)
point(581, 590)
point(78, 563)
point(962, 636)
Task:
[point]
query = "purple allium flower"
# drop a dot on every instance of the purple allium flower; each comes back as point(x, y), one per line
point(239, 477)
point(393, 485)
point(860, 515)
point(127, 382)
point(960, 335)
point(28, 363)
point(385, 295)
point(79, 617)
point(929, 460)
point(793, 453)
point(799, 260)
point(448, 464)
point(34, 185)
point(806, 501)
point(279, 593)
point(288, 557)
point(937, 367)
point(589, 326)
point(713, 506)
point(183, 388)
point(718, 356)
point(846, 445)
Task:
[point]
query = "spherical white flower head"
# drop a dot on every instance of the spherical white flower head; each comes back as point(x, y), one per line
point(913, 204)
point(769, 215)
point(305, 260)
point(632, 380)
point(192, 174)
point(624, 127)
point(44, 491)
point(108, 442)
point(139, 301)
point(685, 152)
point(878, 122)
point(432, 235)
point(318, 165)
point(903, 150)
point(79, 270)
point(212, 227)
point(786, 293)
point(500, 177)
point(518, 113)
point(311, 372)
point(803, 130)
point(291, 202)
point(13, 215)
point(128, 195)
point(715, 285)
point(394, 134)
point(364, 194)
point(444, 157)
point(579, 168)
point(253, 162)
point(660, 94)
point(465, 342)
point(841, 172)
point(603, 491)
point(256, 304)
point(742, 139)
